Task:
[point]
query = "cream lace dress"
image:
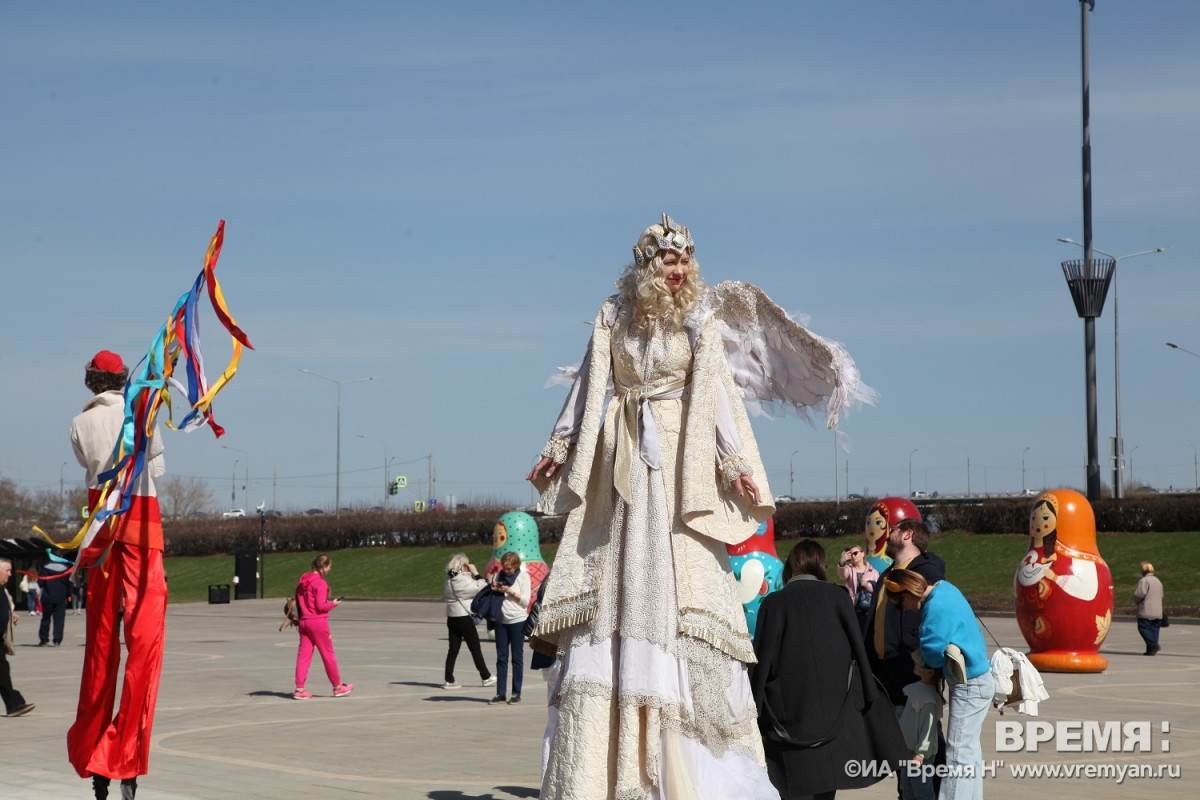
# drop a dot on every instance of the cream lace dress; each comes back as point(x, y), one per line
point(640, 709)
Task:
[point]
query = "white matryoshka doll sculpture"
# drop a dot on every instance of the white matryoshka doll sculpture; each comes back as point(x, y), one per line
point(1063, 588)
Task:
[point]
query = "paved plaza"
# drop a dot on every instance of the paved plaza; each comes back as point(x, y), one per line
point(228, 728)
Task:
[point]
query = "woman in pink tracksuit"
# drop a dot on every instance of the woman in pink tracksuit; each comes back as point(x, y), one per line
point(312, 597)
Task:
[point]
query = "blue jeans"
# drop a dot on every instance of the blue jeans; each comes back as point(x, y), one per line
point(969, 704)
point(510, 637)
point(917, 787)
point(1148, 628)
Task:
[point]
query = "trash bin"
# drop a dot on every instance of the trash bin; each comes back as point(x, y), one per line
point(218, 593)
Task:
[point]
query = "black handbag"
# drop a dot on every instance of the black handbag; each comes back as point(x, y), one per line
point(1166, 621)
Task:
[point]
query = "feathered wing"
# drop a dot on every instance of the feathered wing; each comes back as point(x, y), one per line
point(777, 363)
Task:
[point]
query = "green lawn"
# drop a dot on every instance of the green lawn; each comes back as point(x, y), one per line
point(359, 572)
point(982, 566)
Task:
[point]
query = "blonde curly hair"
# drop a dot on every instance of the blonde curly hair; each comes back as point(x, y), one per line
point(646, 290)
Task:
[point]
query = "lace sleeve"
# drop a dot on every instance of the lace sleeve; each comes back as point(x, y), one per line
point(734, 467)
point(556, 449)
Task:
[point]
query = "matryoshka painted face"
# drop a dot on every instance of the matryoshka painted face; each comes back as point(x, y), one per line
point(499, 536)
point(877, 529)
point(1042, 521)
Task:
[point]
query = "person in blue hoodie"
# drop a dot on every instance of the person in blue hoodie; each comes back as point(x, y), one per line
point(952, 641)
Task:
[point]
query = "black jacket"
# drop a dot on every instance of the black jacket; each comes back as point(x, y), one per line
point(901, 631)
point(55, 587)
point(812, 680)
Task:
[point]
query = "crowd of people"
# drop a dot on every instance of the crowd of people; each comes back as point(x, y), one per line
point(657, 687)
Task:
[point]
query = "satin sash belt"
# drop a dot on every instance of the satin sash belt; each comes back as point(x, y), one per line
point(636, 431)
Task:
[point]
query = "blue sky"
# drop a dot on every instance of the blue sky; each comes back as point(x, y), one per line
point(441, 195)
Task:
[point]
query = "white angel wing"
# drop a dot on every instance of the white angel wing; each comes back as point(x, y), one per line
point(563, 376)
point(779, 364)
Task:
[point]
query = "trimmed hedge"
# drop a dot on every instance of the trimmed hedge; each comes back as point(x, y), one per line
point(201, 537)
point(1165, 513)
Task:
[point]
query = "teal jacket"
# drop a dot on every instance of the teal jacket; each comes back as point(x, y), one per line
point(947, 618)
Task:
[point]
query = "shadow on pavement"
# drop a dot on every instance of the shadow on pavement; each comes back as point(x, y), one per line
point(514, 791)
point(455, 698)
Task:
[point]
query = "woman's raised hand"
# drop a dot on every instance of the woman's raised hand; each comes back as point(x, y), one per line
point(744, 484)
point(546, 464)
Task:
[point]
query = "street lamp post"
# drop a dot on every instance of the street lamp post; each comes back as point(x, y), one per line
point(1118, 442)
point(968, 470)
point(837, 491)
point(1174, 346)
point(910, 455)
point(1023, 452)
point(274, 484)
point(792, 474)
point(337, 492)
point(1131, 452)
point(233, 479)
point(233, 484)
point(385, 463)
point(1196, 467)
point(1089, 278)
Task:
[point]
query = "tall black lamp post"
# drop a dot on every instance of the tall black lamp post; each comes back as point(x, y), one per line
point(1088, 278)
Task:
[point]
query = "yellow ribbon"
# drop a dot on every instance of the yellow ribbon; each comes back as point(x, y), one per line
point(629, 429)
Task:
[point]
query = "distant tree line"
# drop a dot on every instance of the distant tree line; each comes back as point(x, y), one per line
point(474, 526)
point(20, 509)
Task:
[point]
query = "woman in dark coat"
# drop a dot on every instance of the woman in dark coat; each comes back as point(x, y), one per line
point(816, 697)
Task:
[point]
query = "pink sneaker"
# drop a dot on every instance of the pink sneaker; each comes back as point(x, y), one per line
point(343, 689)
point(300, 694)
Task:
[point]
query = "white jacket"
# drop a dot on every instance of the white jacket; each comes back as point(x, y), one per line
point(94, 435)
point(1004, 662)
point(459, 591)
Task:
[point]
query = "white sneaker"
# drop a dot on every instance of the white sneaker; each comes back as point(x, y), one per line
point(451, 686)
point(489, 681)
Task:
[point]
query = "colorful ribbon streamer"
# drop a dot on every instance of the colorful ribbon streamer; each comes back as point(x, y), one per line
point(175, 348)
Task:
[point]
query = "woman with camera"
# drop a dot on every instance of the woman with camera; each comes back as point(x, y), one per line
point(861, 579)
point(463, 582)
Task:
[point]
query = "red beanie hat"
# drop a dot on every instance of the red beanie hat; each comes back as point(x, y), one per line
point(107, 361)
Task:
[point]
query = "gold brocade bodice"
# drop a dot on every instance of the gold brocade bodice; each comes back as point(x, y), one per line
point(656, 353)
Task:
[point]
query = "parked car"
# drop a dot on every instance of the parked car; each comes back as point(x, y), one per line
point(234, 512)
point(919, 495)
point(784, 498)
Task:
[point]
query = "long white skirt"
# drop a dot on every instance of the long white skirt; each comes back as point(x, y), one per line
point(639, 710)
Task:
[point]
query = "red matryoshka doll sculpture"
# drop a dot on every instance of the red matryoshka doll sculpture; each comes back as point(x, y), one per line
point(887, 513)
point(1063, 588)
